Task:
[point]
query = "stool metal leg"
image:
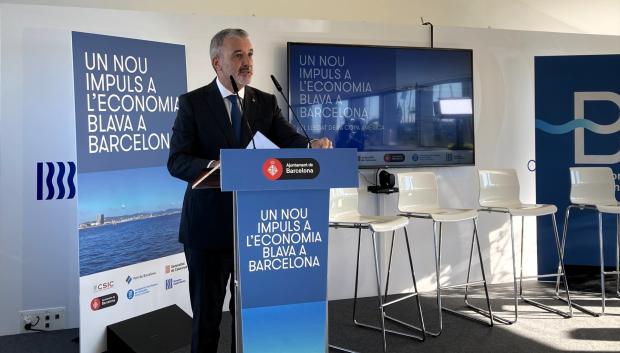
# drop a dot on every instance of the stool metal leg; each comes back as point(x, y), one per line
point(484, 277)
point(563, 268)
point(357, 272)
point(415, 288)
point(383, 298)
point(378, 274)
point(521, 261)
point(514, 278)
point(561, 272)
point(414, 294)
point(437, 245)
point(471, 254)
point(618, 255)
point(514, 267)
point(357, 323)
point(340, 349)
point(561, 263)
point(563, 247)
point(602, 261)
point(436, 249)
point(514, 274)
point(489, 313)
point(389, 270)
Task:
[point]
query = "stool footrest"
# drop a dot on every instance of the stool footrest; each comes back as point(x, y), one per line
point(413, 327)
point(543, 276)
point(486, 314)
point(340, 349)
point(468, 317)
point(454, 286)
point(583, 309)
point(399, 299)
point(394, 332)
point(611, 272)
point(547, 308)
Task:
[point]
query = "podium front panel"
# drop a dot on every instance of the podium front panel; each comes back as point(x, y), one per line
point(282, 250)
point(281, 242)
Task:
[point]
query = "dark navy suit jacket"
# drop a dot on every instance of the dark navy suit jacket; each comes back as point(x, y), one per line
point(202, 127)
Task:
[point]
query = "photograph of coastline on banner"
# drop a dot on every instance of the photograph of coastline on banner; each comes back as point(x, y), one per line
point(126, 217)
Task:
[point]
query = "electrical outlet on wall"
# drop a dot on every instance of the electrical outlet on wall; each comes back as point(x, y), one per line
point(47, 319)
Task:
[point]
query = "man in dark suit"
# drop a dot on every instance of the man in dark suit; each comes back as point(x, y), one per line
point(208, 120)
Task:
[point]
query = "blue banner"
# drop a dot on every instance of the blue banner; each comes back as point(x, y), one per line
point(283, 240)
point(577, 124)
point(129, 207)
point(125, 105)
point(126, 93)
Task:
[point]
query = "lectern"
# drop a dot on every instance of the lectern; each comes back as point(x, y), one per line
point(281, 200)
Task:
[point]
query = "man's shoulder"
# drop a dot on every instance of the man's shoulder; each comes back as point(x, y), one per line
point(198, 92)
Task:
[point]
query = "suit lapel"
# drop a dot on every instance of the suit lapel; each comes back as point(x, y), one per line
point(219, 112)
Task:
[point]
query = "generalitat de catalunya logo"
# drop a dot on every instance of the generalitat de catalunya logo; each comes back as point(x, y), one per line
point(290, 168)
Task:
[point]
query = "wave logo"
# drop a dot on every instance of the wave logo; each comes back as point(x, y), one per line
point(580, 124)
point(57, 180)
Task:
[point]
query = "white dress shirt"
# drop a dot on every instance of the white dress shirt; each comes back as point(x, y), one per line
point(225, 93)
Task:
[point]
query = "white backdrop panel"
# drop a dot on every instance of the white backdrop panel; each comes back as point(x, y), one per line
point(38, 242)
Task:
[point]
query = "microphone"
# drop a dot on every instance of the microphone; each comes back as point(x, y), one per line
point(279, 88)
point(236, 89)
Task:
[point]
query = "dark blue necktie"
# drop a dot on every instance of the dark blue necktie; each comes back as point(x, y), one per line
point(235, 116)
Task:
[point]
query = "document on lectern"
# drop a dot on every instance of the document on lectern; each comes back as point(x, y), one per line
point(261, 142)
point(209, 178)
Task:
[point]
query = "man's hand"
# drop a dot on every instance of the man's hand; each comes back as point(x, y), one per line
point(323, 142)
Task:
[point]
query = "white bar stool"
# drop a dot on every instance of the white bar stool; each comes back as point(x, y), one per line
point(343, 213)
point(418, 198)
point(593, 188)
point(499, 192)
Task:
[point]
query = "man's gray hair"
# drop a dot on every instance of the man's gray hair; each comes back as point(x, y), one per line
point(218, 39)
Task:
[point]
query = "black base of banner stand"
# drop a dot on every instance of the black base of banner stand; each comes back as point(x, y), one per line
point(160, 331)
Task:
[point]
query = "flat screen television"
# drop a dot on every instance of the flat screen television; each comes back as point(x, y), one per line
point(399, 106)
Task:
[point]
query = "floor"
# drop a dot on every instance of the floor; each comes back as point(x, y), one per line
point(535, 330)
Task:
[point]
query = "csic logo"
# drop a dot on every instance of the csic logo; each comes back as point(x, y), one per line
point(103, 286)
point(579, 124)
point(130, 294)
point(291, 168)
point(103, 302)
point(169, 283)
point(60, 184)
